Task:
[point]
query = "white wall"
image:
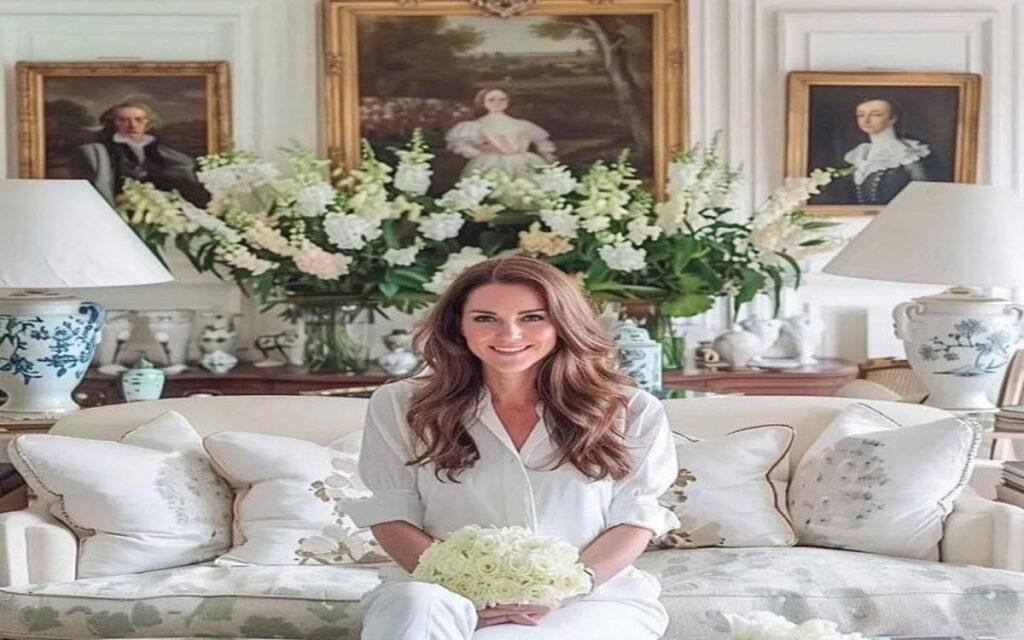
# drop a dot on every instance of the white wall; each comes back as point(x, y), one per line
point(740, 52)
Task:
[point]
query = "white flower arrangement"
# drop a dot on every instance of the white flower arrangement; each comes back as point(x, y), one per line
point(765, 625)
point(373, 235)
point(504, 566)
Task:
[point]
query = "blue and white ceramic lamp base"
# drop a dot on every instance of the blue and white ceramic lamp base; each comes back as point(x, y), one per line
point(46, 344)
point(959, 342)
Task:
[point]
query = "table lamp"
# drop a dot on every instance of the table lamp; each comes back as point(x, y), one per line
point(57, 234)
point(960, 341)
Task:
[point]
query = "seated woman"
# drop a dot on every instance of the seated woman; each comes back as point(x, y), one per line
point(521, 422)
point(497, 140)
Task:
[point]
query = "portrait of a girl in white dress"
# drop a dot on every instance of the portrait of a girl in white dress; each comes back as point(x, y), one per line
point(498, 140)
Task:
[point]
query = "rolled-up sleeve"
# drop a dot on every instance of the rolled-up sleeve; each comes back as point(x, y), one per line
point(382, 457)
point(635, 497)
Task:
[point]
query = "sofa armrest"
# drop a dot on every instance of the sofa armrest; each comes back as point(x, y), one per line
point(984, 532)
point(35, 548)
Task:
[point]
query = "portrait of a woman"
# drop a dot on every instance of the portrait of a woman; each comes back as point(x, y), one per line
point(498, 140)
point(886, 163)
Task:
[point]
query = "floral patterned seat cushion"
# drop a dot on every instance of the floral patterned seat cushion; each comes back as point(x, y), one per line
point(872, 594)
point(203, 600)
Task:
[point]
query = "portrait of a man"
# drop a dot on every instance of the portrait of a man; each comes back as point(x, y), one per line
point(883, 131)
point(110, 122)
point(124, 148)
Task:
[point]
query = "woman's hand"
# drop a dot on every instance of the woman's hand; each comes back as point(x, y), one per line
point(524, 614)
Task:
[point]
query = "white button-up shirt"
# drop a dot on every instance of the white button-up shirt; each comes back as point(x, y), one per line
point(506, 487)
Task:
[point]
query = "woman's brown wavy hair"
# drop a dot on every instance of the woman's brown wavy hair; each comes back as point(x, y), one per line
point(582, 393)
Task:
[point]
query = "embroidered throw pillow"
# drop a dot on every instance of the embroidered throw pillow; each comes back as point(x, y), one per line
point(286, 500)
point(869, 484)
point(151, 501)
point(725, 494)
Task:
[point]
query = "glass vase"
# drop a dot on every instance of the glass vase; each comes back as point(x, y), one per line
point(647, 314)
point(337, 335)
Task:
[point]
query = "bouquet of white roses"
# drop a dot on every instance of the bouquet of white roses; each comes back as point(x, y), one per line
point(765, 625)
point(504, 566)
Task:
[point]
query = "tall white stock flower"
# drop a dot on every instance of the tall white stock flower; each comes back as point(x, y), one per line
point(453, 266)
point(413, 179)
point(238, 173)
point(312, 200)
point(543, 243)
point(266, 237)
point(468, 193)
point(639, 231)
point(441, 226)
point(561, 221)
point(351, 232)
point(239, 256)
point(554, 178)
point(402, 257)
point(623, 256)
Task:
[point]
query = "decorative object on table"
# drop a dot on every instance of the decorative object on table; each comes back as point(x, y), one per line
point(765, 625)
point(958, 341)
point(117, 327)
point(706, 356)
point(858, 120)
point(738, 347)
point(118, 102)
point(400, 358)
point(646, 118)
point(766, 329)
point(279, 349)
point(144, 381)
point(217, 332)
point(172, 330)
point(805, 332)
point(218, 361)
point(57, 234)
point(638, 356)
point(508, 549)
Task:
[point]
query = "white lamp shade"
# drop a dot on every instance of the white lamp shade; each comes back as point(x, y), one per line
point(58, 234)
point(941, 233)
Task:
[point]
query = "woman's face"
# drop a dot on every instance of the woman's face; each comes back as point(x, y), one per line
point(496, 101)
point(507, 326)
point(874, 116)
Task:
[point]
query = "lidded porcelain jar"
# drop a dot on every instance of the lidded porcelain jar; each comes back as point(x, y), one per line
point(639, 357)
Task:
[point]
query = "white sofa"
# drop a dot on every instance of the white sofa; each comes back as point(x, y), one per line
point(976, 590)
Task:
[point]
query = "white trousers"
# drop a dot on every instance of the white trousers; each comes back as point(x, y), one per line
point(418, 611)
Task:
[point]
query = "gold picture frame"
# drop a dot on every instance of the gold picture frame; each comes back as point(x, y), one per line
point(933, 136)
point(79, 92)
point(491, 24)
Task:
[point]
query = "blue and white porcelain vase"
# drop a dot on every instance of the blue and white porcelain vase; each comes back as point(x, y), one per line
point(639, 356)
point(45, 349)
point(959, 343)
point(142, 382)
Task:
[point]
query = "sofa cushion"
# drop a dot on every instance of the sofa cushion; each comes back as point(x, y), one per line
point(868, 484)
point(876, 595)
point(872, 594)
point(317, 602)
point(286, 505)
point(151, 501)
point(724, 494)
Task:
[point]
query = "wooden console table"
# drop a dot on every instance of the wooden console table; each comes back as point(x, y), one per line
point(821, 379)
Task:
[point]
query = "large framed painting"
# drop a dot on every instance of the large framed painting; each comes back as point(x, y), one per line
point(109, 121)
point(507, 83)
point(885, 129)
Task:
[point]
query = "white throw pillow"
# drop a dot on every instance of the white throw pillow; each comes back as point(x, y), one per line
point(869, 484)
point(286, 509)
point(151, 501)
point(725, 494)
